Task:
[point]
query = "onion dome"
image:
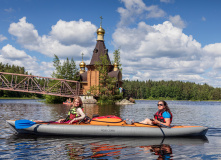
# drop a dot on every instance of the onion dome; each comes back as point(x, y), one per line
point(115, 66)
point(82, 65)
point(100, 30)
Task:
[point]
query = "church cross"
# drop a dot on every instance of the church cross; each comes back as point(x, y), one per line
point(82, 55)
point(101, 20)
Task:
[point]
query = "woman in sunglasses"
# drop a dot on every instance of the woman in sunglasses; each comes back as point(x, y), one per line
point(162, 117)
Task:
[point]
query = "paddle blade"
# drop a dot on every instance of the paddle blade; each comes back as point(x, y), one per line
point(23, 123)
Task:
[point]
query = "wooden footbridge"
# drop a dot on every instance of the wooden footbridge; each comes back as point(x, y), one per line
point(39, 85)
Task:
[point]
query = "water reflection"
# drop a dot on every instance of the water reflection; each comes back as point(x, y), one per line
point(163, 151)
point(105, 147)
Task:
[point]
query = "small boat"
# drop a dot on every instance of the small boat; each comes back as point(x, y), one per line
point(111, 126)
point(67, 103)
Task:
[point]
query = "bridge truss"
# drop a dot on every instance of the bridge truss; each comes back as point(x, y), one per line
point(39, 85)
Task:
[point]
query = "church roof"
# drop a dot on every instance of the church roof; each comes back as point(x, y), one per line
point(115, 74)
point(99, 50)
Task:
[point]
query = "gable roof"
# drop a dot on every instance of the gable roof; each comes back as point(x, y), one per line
point(99, 50)
point(117, 74)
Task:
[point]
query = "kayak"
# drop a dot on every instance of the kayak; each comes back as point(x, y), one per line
point(111, 126)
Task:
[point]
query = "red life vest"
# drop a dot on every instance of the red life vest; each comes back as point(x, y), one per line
point(159, 116)
point(73, 113)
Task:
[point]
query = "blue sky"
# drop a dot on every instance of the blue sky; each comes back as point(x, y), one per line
point(158, 39)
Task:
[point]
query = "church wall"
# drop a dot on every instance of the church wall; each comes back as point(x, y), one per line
point(92, 80)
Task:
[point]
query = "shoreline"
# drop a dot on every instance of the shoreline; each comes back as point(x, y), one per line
point(178, 100)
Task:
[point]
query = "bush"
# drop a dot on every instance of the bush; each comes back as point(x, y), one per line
point(54, 99)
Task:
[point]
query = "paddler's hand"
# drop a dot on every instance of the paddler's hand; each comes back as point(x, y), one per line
point(71, 121)
point(61, 120)
point(155, 121)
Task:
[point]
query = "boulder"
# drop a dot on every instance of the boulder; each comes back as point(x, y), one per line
point(132, 100)
point(124, 101)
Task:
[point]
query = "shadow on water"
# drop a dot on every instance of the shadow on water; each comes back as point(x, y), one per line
point(96, 147)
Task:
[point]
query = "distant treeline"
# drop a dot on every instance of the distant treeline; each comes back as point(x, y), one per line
point(176, 90)
point(14, 69)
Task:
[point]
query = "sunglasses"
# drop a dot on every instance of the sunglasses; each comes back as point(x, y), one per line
point(159, 104)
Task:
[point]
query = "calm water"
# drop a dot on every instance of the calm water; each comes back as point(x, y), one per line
point(47, 147)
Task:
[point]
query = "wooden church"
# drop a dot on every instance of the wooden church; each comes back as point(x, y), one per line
point(91, 76)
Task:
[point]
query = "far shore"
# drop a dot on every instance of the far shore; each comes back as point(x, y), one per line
point(176, 100)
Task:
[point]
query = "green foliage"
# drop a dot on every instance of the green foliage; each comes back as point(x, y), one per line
point(171, 90)
point(68, 70)
point(107, 84)
point(117, 58)
point(54, 99)
point(94, 90)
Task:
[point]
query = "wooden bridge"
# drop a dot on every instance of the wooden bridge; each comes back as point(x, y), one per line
point(39, 85)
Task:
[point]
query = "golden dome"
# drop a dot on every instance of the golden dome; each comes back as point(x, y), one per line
point(82, 64)
point(115, 64)
point(100, 30)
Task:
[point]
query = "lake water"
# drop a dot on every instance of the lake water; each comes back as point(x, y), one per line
point(53, 147)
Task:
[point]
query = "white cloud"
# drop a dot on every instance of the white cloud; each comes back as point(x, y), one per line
point(162, 40)
point(213, 49)
point(177, 21)
point(164, 52)
point(74, 32)
point(10, 52)
point(155, 12)
point(217, 64)
point(47, 68)
point(13, 56)
point(25, 32)
point(2, 38)
point(63, 45)
point(136, 9)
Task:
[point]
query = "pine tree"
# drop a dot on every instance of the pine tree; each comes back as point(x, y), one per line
point(67, 70)
point(106, 83)
point(117, 58)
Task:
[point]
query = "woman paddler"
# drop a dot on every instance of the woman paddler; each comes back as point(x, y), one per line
point(162, 117)
point(76, 113)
